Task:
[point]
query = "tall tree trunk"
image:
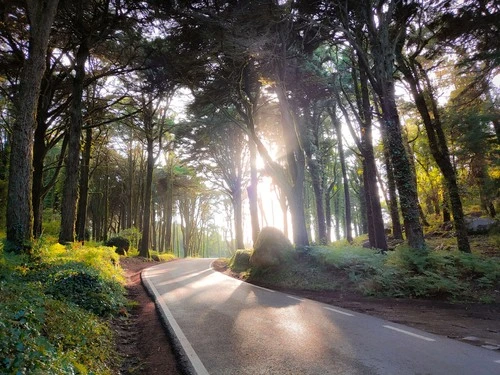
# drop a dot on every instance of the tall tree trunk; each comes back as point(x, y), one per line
point(81, 219)
point(315, 169)
point(402, 171)
point(168, 213)
point(384, 31)
point(238, 216)
point(429, 112)
point(19, 201)
point(146, 217)
point(316, 181)
point(252, 191)
point(347, 196)
point(392, 203)
point(296, 169)
point(70, 189)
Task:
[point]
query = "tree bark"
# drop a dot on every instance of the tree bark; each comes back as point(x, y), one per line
point(19, 200)
point(252, 190)
point(70, 189)
point(238, 216)
point(81, 219)
point(345, 181)
point(146, 217)
point(428, 110)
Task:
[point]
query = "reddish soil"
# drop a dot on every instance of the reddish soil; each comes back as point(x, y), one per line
point(141, 339)
point(146, 349)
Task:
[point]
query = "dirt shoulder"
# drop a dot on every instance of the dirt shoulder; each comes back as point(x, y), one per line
point(477, 324)
point(141, 339)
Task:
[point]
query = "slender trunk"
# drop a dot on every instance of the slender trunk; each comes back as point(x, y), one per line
point(70, 189)
point(347, 196)
point(437, 142)
point(168, 214)
point(19, 200)
point(81, 219)
point(392, 203)
point(146, 217)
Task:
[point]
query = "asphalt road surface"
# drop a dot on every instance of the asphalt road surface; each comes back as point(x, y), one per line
point(224, 326)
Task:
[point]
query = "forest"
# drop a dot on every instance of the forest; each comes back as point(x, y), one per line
point(186, 127)
point(367, 117)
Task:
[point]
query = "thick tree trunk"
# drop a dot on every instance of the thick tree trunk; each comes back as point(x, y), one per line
point(252, 191)
point(296, 170)
point(238, 216)
point(70, 189)
point(19, 200)
point(402, 171)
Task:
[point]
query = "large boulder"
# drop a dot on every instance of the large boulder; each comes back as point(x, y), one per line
point(270, 249)
point(479, 225)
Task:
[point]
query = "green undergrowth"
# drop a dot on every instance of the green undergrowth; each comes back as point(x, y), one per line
point(55, 305)
point(154, 255)
point(403, 273)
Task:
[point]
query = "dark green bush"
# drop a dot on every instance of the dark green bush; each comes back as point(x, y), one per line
point(82, 285)
point(121, 243)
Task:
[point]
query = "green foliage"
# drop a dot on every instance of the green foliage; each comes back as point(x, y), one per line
point(43, 329)
point(240, 261)
point(122, 244)
point(82, 285)
point(161, 257)
point(133, 235)
point(402, 273)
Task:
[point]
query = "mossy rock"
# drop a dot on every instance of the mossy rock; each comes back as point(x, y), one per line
point(240, 261)
point(270, 249)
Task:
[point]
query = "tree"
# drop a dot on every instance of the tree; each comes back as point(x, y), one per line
point(19, 209)
point(385, 23)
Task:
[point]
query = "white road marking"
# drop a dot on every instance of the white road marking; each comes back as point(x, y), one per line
point(497, 361)
point(261, 287)
point(296, 298)
point(410, 333)
point(197, 365)
point(338, 311)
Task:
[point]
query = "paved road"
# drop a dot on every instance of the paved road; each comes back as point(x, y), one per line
point(225, 326)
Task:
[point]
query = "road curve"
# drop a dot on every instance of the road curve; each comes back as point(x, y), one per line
point(226, 326)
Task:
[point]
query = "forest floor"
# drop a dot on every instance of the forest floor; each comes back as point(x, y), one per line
point(147, 350)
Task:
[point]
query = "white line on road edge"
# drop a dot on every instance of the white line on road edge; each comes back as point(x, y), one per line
point(197, 365)
point(296, 298)
point(338, 311)
point(261, 287)
point(497, 361)
point(410, 333)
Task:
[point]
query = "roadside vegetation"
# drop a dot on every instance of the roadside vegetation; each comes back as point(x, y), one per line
point(56, 305)
point(440, 272)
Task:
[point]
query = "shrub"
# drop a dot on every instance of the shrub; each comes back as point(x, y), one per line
point(82, 285)
point(121, 243)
